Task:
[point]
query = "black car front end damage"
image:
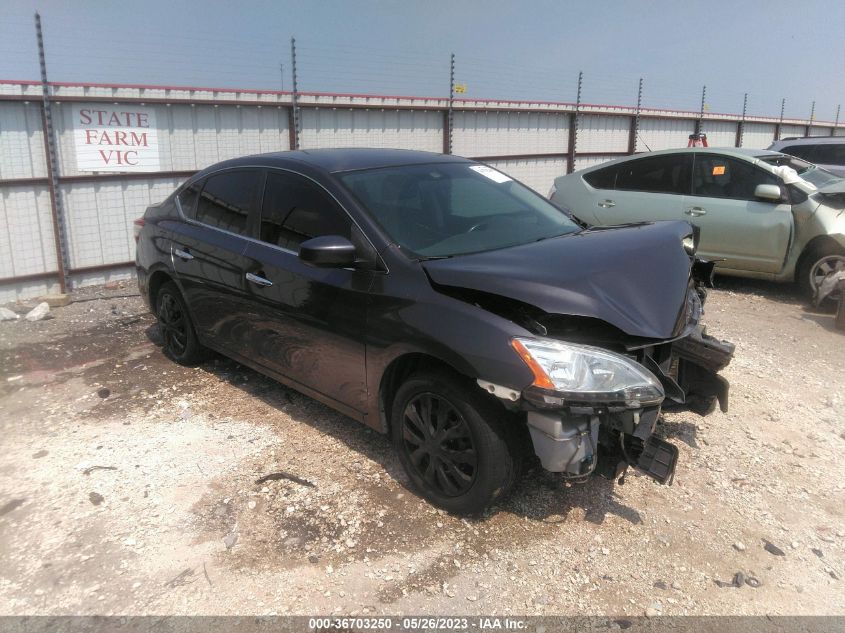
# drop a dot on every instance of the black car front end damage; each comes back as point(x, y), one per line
point(578, 439)
point(628, 300)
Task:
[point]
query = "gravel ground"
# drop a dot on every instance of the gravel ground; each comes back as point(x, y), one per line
point(131, 485)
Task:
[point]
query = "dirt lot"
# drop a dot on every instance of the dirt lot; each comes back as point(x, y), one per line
point(129, 485)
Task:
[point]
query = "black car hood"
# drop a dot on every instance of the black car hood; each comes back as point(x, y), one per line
point(634, 277)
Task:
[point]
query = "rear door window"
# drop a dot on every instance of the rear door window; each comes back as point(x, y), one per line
point(717, 176)
point(227, 198)
point(295, 209)
point(656, 174)
point(806, 151)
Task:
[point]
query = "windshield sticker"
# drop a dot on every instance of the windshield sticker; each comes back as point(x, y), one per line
point(489, 172)
point(718, 170)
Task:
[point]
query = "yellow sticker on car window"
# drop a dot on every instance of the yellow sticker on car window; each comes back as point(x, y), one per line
point(718, 170)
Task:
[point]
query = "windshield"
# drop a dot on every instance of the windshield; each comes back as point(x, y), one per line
point(809, 172)
point(441, 210)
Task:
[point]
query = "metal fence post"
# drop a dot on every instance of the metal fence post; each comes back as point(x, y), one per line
point(295, 114)
point(779, 124)
point(698, 124)
point(573, 128)
point(836, 122)
point(635, 121)
point(56, 207)
point(448, 120)
point(812, 118)
point(740, 127)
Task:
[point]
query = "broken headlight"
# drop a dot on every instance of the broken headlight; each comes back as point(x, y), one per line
point(583, 373)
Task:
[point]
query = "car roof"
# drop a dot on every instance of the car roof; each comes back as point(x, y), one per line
point(342, 159)
point(810, 140)
point(738, 152)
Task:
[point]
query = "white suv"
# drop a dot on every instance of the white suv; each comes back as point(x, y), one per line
point(828, 152)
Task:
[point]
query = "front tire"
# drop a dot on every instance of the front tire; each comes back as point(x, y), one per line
point(178, 335)
point(454, 443)
point(815, 265)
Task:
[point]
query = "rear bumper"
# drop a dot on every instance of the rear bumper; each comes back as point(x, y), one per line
point(143, 285)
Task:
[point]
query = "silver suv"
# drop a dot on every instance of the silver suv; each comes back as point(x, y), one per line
point(828, 152)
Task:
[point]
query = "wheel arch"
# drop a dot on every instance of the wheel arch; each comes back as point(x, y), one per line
point(157, 280)
point(399, 369)
point(814, 245)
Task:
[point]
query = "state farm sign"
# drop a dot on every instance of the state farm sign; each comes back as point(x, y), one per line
point(120, 138)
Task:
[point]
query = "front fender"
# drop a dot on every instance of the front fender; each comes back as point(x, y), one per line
point(474, 342)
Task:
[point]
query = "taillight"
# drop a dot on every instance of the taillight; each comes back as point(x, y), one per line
point(137, 225)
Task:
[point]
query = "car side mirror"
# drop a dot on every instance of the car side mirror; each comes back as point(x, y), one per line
point(768, 192)
point(330, 251)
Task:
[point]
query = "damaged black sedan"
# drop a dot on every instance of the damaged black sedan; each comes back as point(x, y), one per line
point(438, 300)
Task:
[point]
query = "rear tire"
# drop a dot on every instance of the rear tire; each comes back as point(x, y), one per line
point(460, 449)
point(179, 338)
point(814, 264)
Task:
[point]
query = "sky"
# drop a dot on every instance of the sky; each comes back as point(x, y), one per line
point(532, 50)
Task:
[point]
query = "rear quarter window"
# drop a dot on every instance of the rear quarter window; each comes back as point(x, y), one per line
point(602, 178)
point(188, 199)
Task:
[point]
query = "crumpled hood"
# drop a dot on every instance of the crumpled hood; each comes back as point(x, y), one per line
point(634, 277)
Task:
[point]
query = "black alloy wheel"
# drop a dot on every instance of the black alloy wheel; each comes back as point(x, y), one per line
point(438, 443)
point(458, 445)
point(177, 330)
point(172, 323)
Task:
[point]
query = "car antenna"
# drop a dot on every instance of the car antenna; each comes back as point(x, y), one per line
point(643, 142)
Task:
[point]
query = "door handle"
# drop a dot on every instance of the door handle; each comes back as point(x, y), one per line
point(696, 211)
point(183, 255)
point(607, 204)
point(258, 281)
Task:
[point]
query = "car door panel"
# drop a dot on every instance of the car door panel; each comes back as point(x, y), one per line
point(305, 322)
point(210, 277)
point(309, 323)
point(744, 232)
point(644, 189)
point(637, 206)
point(746, 235)
point(207, 251)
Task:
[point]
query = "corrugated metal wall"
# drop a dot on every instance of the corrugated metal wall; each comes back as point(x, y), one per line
point(537, 173)
point(21, 141)
point(405, 129)
point(658, 134)
point(720, 133)
point(198, 127)
point(26, 231)
point(792, 130)
point(99, 217)
point(603, 133)
point(509, 133)
point(758, 135)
